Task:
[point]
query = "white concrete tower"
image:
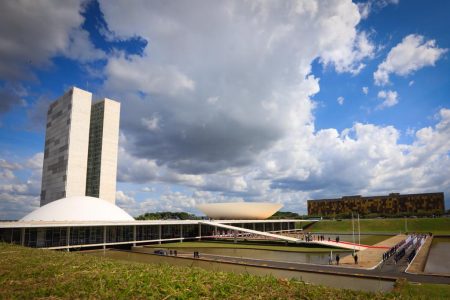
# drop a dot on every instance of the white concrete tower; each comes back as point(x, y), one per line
point(103, 149)
point(66, 146)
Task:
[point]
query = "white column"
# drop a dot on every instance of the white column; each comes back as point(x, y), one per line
point(22, 236)
point(68, 238)
point(104, 237)
point(159, 233)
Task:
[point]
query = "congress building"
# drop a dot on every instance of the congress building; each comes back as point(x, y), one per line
point(81, 144)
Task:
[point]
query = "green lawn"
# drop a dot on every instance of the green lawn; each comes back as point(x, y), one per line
point(422, 291)
point(240, 245)
point(434, 225)
point(32, 273)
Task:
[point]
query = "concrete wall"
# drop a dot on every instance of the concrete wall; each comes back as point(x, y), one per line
point(78, 143)
point(110, 144)
point(66, 142)
point(72, 152)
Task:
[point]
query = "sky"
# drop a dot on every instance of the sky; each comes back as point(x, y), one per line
point(225, 101)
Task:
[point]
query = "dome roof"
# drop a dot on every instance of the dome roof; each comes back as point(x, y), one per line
point(78, 209)
point(239, 210)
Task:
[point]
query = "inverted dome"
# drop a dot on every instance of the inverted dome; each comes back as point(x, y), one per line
point(240, 210)
point(78, 209)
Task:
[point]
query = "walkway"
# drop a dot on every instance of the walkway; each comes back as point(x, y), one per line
point(343, 245)
point(372, 256)
point(262, 233)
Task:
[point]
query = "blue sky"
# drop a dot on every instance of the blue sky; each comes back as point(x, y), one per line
point(232, 101)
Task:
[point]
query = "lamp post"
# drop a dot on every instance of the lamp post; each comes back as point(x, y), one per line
point(353, 234)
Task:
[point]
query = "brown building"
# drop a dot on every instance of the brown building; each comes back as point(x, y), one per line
point(392, 204)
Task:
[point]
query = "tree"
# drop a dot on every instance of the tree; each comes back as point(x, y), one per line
point(167, 215)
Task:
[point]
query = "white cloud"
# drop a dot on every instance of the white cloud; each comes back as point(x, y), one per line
point(151, 123)
point(348, 59)
point(410, 132)
point(20, 185)
point(364, 159)
point(123, 199)
point(258, 90)
point(226, 120)
point(411, 83)
point(412, 54)
point(212, 100)
point(35, 31)
point(340, 100)
point(141, 74)
point(365, 90)
point(389, 98)
point(366, 8)
point(245, 130)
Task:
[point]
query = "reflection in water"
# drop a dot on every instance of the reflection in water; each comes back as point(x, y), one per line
point(355, 283)
point(297, 257)
point(439, 257)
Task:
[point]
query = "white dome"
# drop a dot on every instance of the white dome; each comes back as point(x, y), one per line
point(78, 209)
point(239, 210)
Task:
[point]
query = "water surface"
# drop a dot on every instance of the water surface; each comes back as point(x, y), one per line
point(354, 283)
point(439, 256)
point(296, 257)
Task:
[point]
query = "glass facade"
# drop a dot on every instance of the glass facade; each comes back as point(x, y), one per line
point(118, 234)
point(95, 235)
point(10, 235)
point(147, 233)
point(95, 150)
point(208, 230)
point(86, 235)
point(190, 231)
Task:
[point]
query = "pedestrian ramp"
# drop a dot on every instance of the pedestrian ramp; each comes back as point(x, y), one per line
point(343, 245)
point(257, 232)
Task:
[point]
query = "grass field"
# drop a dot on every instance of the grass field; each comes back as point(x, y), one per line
point(434, 225)
point(240, 245)
point(32, 273)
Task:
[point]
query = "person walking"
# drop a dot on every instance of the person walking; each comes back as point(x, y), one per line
point(337, 259)
point(355, 257)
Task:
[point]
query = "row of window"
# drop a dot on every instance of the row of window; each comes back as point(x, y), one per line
point(57, 236)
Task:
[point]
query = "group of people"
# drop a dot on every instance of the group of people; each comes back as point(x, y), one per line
point(321, 238)
point(393, 250)
point(330, 259)
point(401, 248)
point(338, 258)
point(308, 237)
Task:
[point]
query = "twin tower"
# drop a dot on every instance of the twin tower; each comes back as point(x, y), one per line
point(81, 145)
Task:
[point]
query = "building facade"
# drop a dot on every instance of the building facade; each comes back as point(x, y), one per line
point(78, 235)
point(66, 146)
point(392, 204)
point(103, 148)
point(67, 171)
